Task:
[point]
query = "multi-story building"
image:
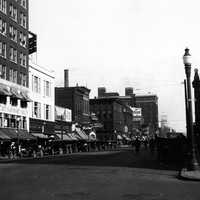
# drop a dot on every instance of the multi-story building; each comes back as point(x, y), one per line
point(77, 99)
point(149, 105)
point(74, 98)
point(115, 116)
point(128, 99)
point(42, 107)
point(14, 64)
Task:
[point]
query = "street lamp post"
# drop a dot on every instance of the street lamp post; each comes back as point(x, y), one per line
point(192, 158)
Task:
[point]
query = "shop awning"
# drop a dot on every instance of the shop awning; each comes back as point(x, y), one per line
point(25, 96)
point(81, 134)
point(40, 135)
point(4, 90)
point(15, 93)
point(3, 136)
point(17, 134)
point(64, 137)
point(72, 136)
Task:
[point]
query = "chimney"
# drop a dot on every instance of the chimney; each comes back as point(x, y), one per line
point(128, 91)
point(101, 91)
point(66, 78)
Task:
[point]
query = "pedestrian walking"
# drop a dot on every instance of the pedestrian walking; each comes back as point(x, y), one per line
point(152, 145)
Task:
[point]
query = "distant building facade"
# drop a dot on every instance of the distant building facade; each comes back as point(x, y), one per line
point(77, 100)
point(42, 107)
point(128, 99)
point(149, 106)
point(115, 116)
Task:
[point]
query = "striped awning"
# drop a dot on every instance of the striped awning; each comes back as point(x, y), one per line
point(80, 134)
point(12, 133)
point(64, 137)
point(40, 135)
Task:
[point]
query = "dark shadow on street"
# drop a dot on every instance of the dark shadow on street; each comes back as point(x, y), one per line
point(124, 158)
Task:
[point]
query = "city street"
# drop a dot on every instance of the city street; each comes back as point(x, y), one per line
point(95, 176)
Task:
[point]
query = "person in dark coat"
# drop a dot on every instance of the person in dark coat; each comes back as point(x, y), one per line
point(137, 145)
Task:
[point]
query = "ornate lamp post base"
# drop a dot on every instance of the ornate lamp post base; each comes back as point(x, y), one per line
point(193, 175)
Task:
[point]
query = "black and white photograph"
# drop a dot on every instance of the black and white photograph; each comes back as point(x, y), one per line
point(99, 100)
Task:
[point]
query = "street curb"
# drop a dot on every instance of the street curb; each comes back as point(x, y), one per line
point(57, 156)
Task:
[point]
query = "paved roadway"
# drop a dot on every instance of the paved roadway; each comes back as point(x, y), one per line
point(97, 176)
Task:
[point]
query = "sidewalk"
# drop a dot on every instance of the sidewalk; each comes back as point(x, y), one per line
point(8, 160)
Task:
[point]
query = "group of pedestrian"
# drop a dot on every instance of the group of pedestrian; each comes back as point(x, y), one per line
point(151, 143)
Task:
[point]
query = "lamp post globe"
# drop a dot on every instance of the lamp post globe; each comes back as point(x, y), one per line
point(187, 58)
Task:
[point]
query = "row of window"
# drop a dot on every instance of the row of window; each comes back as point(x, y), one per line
point(13, 54)
point(3, 4)
point(13, 11)
point(11, 121)
point(36, 86)
point(13, 33)
point(13, 101)
point(13, 75)
point(23, 104)
point(37, 111)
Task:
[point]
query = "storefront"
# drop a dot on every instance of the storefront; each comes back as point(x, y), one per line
point(42, 127)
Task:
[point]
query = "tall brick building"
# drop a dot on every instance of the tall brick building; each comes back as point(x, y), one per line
point(77, 99)
point(14, 64)
point(115, 116)
point(14, 41)
point(149, 106)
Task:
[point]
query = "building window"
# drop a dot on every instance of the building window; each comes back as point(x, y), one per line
point(22, 59)
point(47, 112)
point(13, 75)
point(24, 104)
point(3, 49)
point(3, 6)
point(47, 89)
point(22, 39)
point(36, 84)
point(13, 54)
point(22, 19)
point(3, 99)
point(23, 3)
point(13, 33)
point(13, 12)
point(2, 26)
point(13, 101)
point(2, 71)
point(24, 78)
point(36, 110)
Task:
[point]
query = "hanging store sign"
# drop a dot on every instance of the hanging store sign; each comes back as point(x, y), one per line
point(137, 112)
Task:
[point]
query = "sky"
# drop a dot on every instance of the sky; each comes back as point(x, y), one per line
point(120, 43)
